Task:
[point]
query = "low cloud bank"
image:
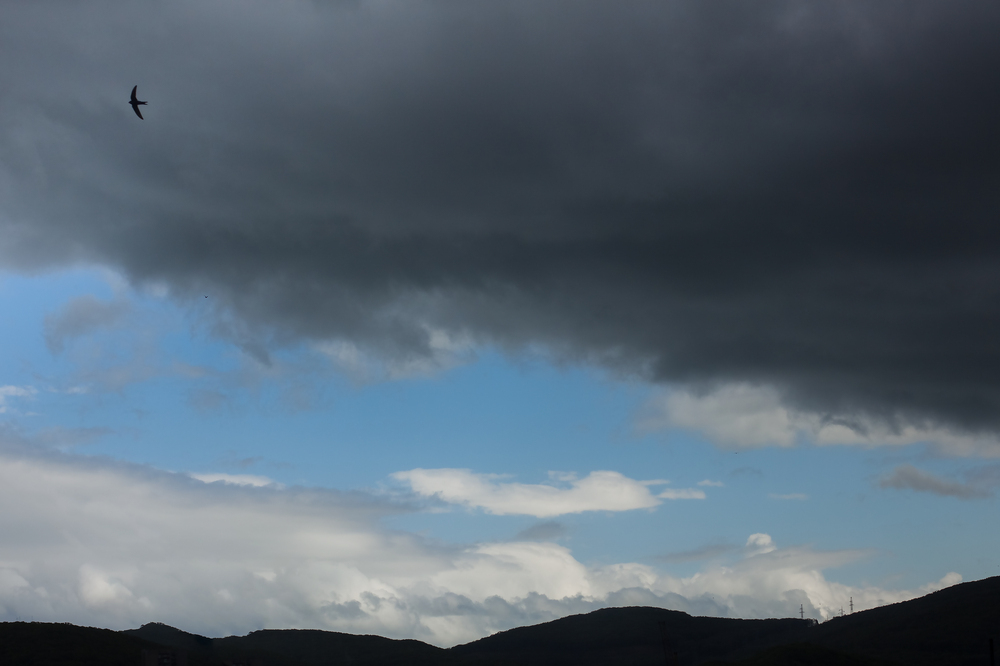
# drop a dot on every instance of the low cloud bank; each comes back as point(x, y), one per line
point(95, 542)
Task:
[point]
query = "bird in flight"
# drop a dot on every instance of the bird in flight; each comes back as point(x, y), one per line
point(135, 103)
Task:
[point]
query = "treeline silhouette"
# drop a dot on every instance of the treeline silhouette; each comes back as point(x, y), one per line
point(951, 627)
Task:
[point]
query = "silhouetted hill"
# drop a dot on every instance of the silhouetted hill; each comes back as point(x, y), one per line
point(328, 647)
point(164, 634)
point(951, 627)
point(51, 644)
point(632, 636)
point(296, 647)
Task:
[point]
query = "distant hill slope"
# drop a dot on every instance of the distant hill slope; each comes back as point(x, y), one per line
point(951, 627)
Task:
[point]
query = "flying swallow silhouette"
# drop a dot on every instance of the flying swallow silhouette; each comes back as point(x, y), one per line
point(135, 103)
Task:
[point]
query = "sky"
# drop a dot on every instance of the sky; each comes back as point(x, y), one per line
point(431, 319)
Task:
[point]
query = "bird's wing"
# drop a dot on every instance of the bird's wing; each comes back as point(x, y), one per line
point(135, 107)
point(133, 98)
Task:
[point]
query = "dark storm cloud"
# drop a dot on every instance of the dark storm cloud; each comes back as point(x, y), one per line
point(798, 195)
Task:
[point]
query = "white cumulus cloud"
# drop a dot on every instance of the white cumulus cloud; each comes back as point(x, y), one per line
point(598, 491)
point(736, 414)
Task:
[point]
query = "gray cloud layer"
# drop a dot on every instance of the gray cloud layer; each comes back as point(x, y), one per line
point(798, 195)
point(78, 317)
point(980, 483)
